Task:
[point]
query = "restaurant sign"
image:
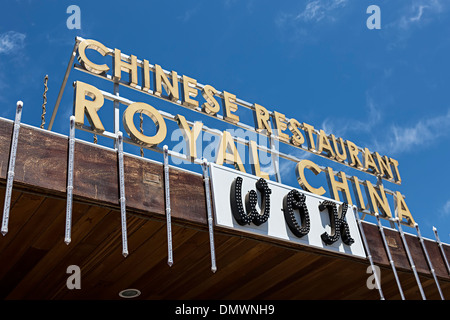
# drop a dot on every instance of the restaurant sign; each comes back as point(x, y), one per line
point(257, 202)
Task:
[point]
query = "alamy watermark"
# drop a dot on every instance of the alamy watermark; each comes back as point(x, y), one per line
point(74, 280)
point(74, 20)
point(374, 20)
point(374, 280)
point(207, 146)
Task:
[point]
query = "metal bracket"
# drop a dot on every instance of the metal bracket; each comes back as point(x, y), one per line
point(122, 200)
point(388, 251)
point(67, 237)
point(210, 219)
point(168, 210)
point(422, 242)
point(369, 255)
point(11, 166)
point(442, 249)
point(63, 84)
point(411, 261)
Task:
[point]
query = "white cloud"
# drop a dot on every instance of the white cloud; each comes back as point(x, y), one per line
point(314, 11)
point(11, 41)
point(297, 25)
point(318, 10)
point(408, 17)
point(419, 12)
point(403, 139)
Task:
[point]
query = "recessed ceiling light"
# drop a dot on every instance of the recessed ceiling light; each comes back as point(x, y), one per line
point(129, 293)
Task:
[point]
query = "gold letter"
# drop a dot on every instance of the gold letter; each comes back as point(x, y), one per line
point(369, 162)
point(324, 143)
point(190, 136)
point(402, 211)
point(309, 130)
point(385, 168)
point(297, 138)
point(230, 106)
point(395, 163)
point(230, 158)
point(134, 133)
point(353, 154)
point(130, 67)
point(254, 161)
point(281, 124)
point(339, 156)
point(211, 106)
point(376, 201)
point(85, 62)
point(336, 186)
point(357, 192)
point(171, 88)
point(300, 171)
point(88, 107)
point(189, 90)
point(145, 75)
point(262, 119)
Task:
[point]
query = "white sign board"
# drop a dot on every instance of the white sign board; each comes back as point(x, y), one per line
point(276, 225)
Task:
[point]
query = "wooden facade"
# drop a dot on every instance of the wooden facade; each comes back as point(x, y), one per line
point(34, 257)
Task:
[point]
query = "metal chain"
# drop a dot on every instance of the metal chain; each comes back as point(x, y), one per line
point(142, 130)
point(95, 138)
point(45, 102)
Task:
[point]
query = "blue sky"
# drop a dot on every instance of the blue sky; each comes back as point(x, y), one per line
point(315, 61)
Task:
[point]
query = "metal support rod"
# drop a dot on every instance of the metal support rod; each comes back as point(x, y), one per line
point(67, 237)
point(210, 219)
point(411, 261)
point(168, 213)
point(369, 255)
point(422, 242)
point(116, 109)
point(444, 256)
point(11, 166)
point(63, 85)
point(388, 251)
point(141, 130)
point(123, 207)
point(44, 103)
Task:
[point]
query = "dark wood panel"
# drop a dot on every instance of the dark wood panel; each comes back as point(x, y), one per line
point(41, 160)
point(144, 186)
point(247, 268)
point(45, 273)
point(446, 249)
point(43, 212)
point(397, 249)
point(417, 254)
point(375, 243)
point(19, 270)
point(22, 207)
point(236, 263)
point(6, 129)
point(436, 259)
point(389, 285)
point(188, 200)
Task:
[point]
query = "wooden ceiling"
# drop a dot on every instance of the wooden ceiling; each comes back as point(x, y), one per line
point(34, 261)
